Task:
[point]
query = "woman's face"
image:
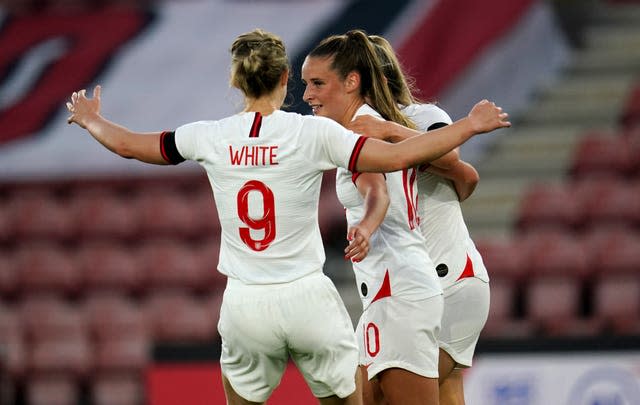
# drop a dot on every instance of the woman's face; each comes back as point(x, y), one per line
point(325, 91)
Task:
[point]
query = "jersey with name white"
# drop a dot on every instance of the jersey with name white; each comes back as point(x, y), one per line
point(266, 172)
point(441, 219)
point(397, 254)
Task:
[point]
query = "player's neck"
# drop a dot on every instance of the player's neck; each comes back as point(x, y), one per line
point(264, 105)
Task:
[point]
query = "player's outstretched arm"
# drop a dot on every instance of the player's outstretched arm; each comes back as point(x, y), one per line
point(377, 156)
point(85, 112)
point(393, 132)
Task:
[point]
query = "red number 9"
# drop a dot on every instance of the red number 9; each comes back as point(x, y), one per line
point(266, 223)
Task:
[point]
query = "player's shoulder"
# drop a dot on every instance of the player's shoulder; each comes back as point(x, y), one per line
point(424, 108)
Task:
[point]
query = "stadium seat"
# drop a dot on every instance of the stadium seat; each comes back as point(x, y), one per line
point(52, 390)
point(117, 389)
point(502, 321)
point(207, 253)
point(173, 263)
point(549, 206)
point(201, 202)
point(191, 319)
point(13, 358)
point(616, 301)
point(615, 252)
point(165, 212)
point(103, 213)
point(503, 258)
point(109, 266)
point(111, 316)
point(131, 353)
point(6, 225)
point(37, 214)
point(608, 201)
point(46, 267)
point(553, 253)
point(600, 153)
point(8, 274)
point(553, 303)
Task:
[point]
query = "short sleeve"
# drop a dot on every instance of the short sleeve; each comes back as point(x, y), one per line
point(331, 145)
point(187, 138)
point(428, 116)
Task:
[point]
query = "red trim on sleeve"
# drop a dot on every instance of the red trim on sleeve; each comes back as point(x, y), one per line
point(356, 153)
point(163, 151)
point(354, 176)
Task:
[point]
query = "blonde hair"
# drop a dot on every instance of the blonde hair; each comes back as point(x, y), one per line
point(354, 51)
point(258, 59)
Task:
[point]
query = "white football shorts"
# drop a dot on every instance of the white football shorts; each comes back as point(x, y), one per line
point(397, 333)
point(262, 325)
point(466, 308)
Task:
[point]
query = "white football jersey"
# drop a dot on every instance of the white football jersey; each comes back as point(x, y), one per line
point(265, 172)
point(441, 219)
point(398, 263)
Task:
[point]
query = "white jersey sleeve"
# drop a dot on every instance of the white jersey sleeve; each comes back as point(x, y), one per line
point(426, 115)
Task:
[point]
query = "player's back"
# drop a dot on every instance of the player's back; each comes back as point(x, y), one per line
point(266, 173)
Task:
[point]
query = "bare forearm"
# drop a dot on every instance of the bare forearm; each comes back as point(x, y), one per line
point(375, 209)
point(124, 142)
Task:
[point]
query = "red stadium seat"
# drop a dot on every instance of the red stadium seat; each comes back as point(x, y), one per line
point(555, 253)
point(616, 252)
point(502, 321)
point(202, 204)
point(207, 252)
point(503, 258)
point(549, 205)
point(609, 201)
point(172, 263)
point(117, 389)
point(52, 390)
point(164, 212)
point(13, 357)
point(102, 213)
point(109, 266)
point(46, 267)
point(554, 304)
point(8, 273)
point(191, 320)
point(37, 214)
point(122, 354)
point(601, 154)
point(57, 337)
point(616, 300)
point(111, 316)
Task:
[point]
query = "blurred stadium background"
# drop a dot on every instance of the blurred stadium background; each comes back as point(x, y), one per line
point(108, 288)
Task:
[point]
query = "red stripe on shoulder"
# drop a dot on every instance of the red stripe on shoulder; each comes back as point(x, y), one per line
point(356, 153)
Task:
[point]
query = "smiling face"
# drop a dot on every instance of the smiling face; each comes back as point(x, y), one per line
point(327, 94)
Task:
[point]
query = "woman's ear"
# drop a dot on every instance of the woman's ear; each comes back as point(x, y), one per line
point(352, 82)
